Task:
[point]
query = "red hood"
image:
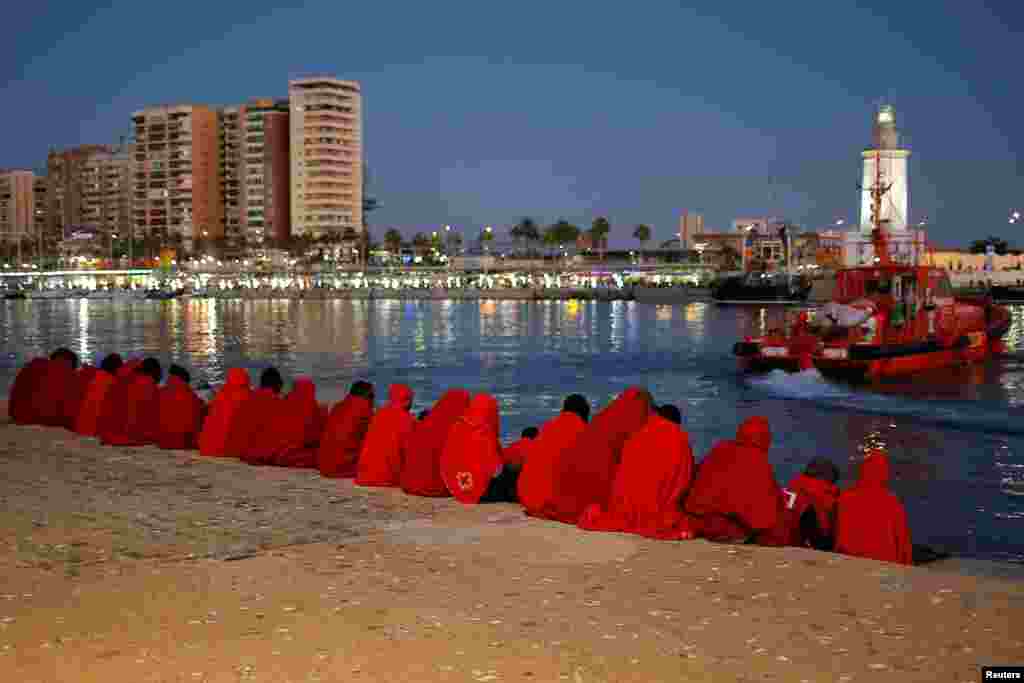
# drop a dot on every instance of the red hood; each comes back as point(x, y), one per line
point(238, 377)
point(483, 412)
point(875, 470)
point(400, 396)
point(175, 382)
point(755, 433)
point(303, 389)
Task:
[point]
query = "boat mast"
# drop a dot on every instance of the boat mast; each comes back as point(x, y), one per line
point(879, 238)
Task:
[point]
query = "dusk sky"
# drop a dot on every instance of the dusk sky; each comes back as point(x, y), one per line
point(479, 113)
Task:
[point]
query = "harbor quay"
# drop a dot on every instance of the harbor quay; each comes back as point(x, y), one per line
point(644, 284)
point(140, 564)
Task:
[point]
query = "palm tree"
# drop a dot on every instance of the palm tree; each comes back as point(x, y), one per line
point(599, 230)
point(525, 230)
point(393, 240)
point(420, 243)
point(642, 233)
point(561, 232)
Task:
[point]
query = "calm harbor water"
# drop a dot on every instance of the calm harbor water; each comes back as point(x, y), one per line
point(956, 438)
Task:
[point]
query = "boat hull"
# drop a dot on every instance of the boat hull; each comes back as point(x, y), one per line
point(876, 362)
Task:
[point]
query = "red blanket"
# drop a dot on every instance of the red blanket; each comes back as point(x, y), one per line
point(181, 415)
point(870, 521)
point(421, 453)
point(213, 438)
point(343, 437)
point(584, 472)
point(472, 454)
point(653, 477)
point(734, 495)
point(88, 420)
point(380, 461)
point(536, 486)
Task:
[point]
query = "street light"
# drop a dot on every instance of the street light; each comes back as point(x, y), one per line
point(113, 236)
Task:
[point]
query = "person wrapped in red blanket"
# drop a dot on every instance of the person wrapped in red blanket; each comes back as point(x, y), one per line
point(650, 483)
point(19, 402)
point(258, 411)
point(734, 497)
point(421, 452)
point(515, 453)
point(181, 412)
point(870, 520)
point(46, 388)
point(291, 438)
point(138, 422)
point(536, 486)
point(380, 461)
point(810, 499)
point(87, 422)
point(115, 401)
point(471, 460)
point(343, 436)
point(221, 413)
point(585, 471)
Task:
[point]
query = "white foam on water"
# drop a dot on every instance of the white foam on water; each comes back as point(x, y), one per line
point(806, 384)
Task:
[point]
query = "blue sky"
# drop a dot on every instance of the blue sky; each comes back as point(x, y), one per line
point(478, 113)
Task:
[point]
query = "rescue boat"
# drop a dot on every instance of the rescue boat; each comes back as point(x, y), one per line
point(886, 319)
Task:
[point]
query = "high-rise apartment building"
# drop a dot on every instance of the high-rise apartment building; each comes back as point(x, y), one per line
point(41, 205)
point(89, 188)
point(326, 156)
point(177, 192)
point(265, 206)
point(229, 135)
point(17, 205)
point(690, 224)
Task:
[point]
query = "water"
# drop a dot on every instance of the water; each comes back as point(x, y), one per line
point(956, 438)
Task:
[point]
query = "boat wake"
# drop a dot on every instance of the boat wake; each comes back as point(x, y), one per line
point(810, 386)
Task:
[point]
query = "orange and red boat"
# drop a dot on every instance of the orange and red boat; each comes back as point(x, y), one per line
point(885, 319)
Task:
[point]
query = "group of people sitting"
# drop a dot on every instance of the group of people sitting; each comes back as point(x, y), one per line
point(629, 469)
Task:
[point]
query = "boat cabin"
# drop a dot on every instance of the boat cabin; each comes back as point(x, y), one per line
point(892, 283)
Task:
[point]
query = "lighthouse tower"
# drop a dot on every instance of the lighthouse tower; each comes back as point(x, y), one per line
point(885, 166)
point(885, 162)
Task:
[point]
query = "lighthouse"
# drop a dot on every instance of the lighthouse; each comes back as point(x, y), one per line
point(885, 162)
point(884, 166)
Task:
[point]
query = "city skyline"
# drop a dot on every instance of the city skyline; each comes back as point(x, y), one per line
point(470, 132)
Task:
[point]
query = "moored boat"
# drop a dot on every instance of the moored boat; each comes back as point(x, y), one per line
point(762, 288)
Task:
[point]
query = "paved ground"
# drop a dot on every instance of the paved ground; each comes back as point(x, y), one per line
point(143, 565)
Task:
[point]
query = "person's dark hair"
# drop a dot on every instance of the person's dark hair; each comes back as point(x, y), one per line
point(179, 372)
point(576, 403)
point(151, 366)
point(271, 379)
point(423, 414)
point(822, 468)
point(530, 433)
point(112, 363)
point(670, 413)
point(362, 388)
point(67, 354)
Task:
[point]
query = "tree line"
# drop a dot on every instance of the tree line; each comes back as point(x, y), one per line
point(526, 234)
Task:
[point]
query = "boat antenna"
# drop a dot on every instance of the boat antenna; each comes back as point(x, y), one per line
point(879, 238)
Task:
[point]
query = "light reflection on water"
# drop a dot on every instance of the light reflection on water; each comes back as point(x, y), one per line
point(956, 438)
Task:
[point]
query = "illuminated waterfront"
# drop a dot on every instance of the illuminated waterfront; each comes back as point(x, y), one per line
point(957, 440)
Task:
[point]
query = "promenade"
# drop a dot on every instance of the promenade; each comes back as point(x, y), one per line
point(149, 565)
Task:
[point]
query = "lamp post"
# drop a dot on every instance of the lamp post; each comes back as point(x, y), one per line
point(113, 236)
point(487, 236)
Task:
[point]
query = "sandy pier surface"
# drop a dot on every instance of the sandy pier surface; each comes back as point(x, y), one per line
point(148, 565)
